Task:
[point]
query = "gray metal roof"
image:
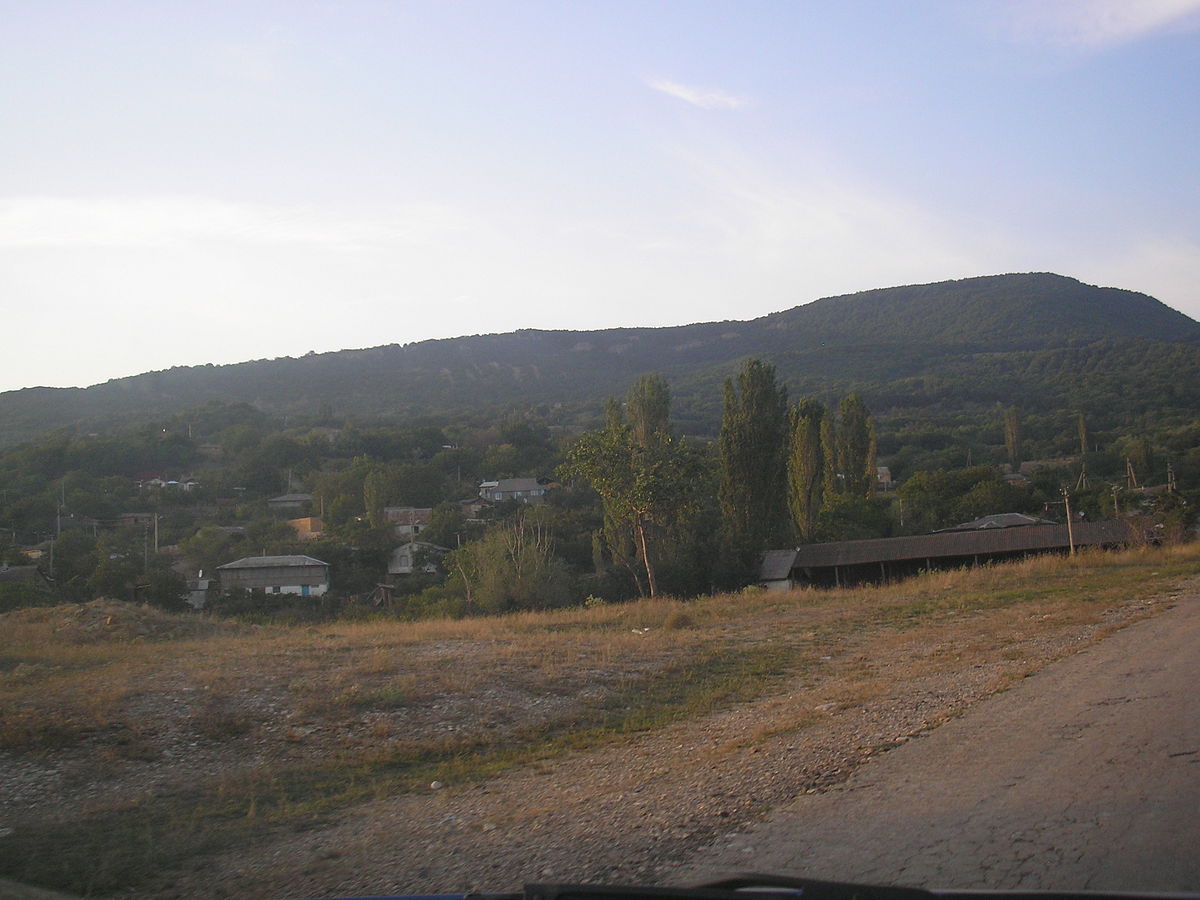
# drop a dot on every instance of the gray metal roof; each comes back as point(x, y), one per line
point(998, 520)
point(517, 484)
point(958, 543)
point(264, 562)
point(776, 565)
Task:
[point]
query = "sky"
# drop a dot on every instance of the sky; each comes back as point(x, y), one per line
point(184, 183)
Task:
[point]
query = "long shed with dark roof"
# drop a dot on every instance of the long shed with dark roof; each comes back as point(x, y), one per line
point(846, 562)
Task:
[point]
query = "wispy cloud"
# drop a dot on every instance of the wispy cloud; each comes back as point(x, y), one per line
point(705, 98)
point(1096, 23)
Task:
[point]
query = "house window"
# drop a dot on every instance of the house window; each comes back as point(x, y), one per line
point(304, 590)
point(276, 589)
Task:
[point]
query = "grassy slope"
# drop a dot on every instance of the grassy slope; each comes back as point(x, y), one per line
point(188, 737)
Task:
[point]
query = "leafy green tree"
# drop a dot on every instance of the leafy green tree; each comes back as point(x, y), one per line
point(375, 491)
point(210, 547)
point(855, 448)
point(806, 465)
point(1012, 437)
point(948, 497)
point(513, 567)
point(645, 487)
point(447, 525)
point(753, 462)
point(851, 517)
point(73, 559)
point(648, 407)
point(119, 561)
point(832, 484)
point(162, 586)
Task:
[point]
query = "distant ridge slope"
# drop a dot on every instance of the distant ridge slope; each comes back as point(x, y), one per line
point(997, 312)
point(1014, 331)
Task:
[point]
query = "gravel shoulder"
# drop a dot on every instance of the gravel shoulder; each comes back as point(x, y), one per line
point(1085, 776)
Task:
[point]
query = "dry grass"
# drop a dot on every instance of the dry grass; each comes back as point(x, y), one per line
point(241, 728)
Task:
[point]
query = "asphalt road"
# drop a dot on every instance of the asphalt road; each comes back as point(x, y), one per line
point(1085, 776)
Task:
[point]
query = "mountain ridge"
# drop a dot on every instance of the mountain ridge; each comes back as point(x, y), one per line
point(863, 340)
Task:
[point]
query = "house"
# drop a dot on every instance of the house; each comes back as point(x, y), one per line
point(307, 529)
point(883, 480)
point(408, 521)
point(289, 502)
point(301, 575)
point(416, 556)
point(527, 490)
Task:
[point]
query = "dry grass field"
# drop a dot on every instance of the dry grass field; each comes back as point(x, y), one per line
point(154, 754)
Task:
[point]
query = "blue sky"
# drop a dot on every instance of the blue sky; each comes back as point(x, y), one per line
point(184, 183)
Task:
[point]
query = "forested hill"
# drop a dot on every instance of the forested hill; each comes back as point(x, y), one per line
point(1039, 340)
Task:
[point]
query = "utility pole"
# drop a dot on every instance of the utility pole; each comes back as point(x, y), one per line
point(1130, 475)
point(1066, 492)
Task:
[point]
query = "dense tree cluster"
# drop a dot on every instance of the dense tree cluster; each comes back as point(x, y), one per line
point(638, 504)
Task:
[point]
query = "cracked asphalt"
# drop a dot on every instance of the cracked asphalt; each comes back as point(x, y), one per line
point(1085, 776)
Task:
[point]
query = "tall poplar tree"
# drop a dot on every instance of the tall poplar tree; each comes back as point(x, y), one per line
point(753, 461)
point(1012, 437)
point(806, 465)
point(648, 407)
point(856, 448)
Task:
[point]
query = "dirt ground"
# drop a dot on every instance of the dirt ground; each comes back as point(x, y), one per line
point(633, 813)
point(638, 812)
point(1085, 776)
